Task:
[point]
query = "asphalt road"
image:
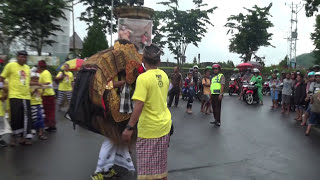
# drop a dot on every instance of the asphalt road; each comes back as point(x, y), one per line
point(254, 142)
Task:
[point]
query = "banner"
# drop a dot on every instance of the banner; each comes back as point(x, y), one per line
point(138, 31)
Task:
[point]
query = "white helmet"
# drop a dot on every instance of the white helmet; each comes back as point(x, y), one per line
point(255, 70)
point(317, 74)
point(195, 66)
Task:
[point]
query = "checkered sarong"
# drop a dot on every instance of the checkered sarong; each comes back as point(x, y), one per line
point(125, 100)
point(152, 157)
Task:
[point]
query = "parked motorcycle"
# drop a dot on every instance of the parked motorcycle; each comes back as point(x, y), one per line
point(266, 88)
point(233, 87)
point(252, 94)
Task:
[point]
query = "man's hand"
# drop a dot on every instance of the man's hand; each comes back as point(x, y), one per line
point(126, 135)
point(220, 97)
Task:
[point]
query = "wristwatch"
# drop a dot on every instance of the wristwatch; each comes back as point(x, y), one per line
point(128, 127)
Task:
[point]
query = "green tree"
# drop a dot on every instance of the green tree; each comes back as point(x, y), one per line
point(95, 41)
point(284, 62)
point(31, 20)
point(315, 37)
point(99, 11)
point(178, 29)
point(311, 7)
point(250, 32)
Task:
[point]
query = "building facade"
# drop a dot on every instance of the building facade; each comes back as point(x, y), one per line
point(61, 47)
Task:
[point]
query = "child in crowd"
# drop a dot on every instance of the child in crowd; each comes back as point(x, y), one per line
point(206, 82)
point(286, 94)
point(315, 86)
point(309, 81)
point(37, 112)
point(3, 122)
point(189, 88)
point(274, 83)
point(315, 111)
point(299, 96)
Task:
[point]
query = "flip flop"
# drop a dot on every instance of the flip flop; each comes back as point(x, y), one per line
point(43, 137)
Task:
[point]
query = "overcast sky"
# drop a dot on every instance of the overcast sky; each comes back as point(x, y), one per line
point(214, 47)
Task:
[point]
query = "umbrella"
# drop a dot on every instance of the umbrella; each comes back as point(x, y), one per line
point(255, 64)
point(243, 66)
point(74, 64)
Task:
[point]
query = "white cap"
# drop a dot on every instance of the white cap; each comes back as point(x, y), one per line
point(34, 69)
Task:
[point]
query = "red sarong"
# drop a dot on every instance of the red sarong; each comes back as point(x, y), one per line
point(152, 157)
point(49, 107)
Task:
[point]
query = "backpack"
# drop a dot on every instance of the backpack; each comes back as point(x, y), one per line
point(82, 111)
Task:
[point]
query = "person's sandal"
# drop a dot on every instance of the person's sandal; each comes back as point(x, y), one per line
point(43, 137)
point(25, 142)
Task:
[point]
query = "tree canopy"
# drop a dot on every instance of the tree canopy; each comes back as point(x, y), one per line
point(250, 32)
point(311, 7)
point(315, 37)
point(95, 41)
point(177, 28)
point(32, 21)
point(99, 11)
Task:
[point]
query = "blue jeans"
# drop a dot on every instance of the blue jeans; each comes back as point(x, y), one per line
point(274, 95)
point(314, 117)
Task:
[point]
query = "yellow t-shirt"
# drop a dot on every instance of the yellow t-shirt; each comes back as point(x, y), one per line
point(36, 96)
point(66, 83)
point(45, 77)
point(1, 105)
point(152, 89)
point(19, 80)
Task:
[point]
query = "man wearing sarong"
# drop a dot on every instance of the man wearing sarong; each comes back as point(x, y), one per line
point(18, 75)
point(48, 96)
point(65, 79)
point(154, 125)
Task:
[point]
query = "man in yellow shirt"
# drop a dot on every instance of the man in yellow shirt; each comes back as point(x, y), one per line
point(18, 75)
point(154, 117)
point(65, 79)
point(48, 97)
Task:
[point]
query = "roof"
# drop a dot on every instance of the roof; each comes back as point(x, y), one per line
point(78, 42)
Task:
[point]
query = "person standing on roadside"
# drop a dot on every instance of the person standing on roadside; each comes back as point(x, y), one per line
point(206, 82)
point(189, 86)
point(176, 81)
point(18, 75)
point(65, 79)
point(153, 118)
point(48, 96)
point(217, 89)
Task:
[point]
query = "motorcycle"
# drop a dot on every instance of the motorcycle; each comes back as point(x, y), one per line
point(266, 88)
point(233, 87)
point(245, 85)
point(252, 94)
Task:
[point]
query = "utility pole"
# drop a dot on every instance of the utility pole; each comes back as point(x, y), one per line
point(112, 4)
point(73, 32)
point(293, 35)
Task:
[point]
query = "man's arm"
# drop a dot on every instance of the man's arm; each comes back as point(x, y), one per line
point(138, 106)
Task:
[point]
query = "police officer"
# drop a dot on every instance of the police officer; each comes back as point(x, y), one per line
point(217, 90)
